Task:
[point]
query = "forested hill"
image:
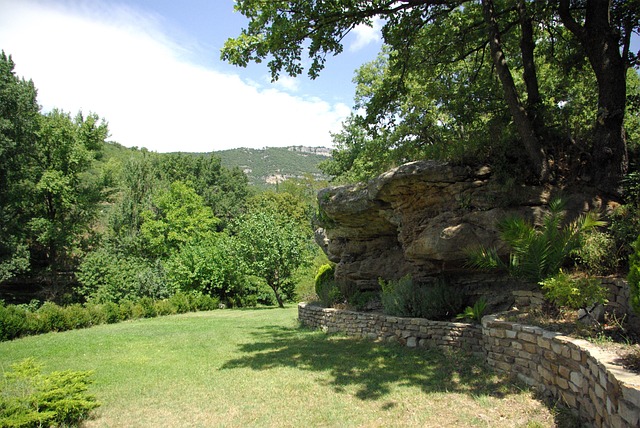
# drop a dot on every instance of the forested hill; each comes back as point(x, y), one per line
point(273, 165)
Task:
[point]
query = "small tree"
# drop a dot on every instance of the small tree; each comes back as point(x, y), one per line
point(272, 247)
point(208, 267)
point(178, 217)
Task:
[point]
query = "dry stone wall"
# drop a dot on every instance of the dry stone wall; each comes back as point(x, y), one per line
point(584, 377)
point(411, 332)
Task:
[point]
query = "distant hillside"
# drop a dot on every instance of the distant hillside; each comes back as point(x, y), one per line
point(271, 165)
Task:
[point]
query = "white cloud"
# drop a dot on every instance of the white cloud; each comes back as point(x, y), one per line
point(288, 83)
point(365, 34)
point(119, 63)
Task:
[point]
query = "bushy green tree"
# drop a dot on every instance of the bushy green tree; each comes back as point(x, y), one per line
point(209, 266)
point(272, 248)
point(224, 190)
point(63, 197)
point(178, 216)
point(136, 183)
point(106, 275)
point(19, 120)
point(457, 46)
point(282, 204)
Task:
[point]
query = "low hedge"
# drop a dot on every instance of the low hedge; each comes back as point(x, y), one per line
point(25, 320)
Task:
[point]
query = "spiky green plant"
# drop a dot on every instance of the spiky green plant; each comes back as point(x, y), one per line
point(475, 312)
point(536, 252)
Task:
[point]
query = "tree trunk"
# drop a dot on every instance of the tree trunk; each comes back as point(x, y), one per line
point(276, 291)
point(523, 122)
point(530, 76)
point(609, 159)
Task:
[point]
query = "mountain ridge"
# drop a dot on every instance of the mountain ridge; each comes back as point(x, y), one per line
point(272, 165)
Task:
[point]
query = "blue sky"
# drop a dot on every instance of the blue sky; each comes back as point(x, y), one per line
point(151, 68)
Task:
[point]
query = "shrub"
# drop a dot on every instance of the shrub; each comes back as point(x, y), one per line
point(634, 276)
point(405, 298)
point(573, 291)
point(181, 303)
point(107, 276)
point(51, 317)
point(326, 287)
point(625, 228)
point(126, 309)
point(204, 302)
point(13, 321)
point(147, 308)
point(111, 312)
point(475, 312)
point(19, 320)
point(597, 253)
point(537, 252)
point(361, 299)
point(31, 399)
point(96, 314)
point(256, 289)
point(164, 307)
point(208, 267)
point(329, 294)
point(326, 274)
point(77, 316)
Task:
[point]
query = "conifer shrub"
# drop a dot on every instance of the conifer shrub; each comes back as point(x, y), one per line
point(96, 314)
point(32, 399)
point(127, 309)
point(23, 320)
point(111, 312)
point(203, 302)
point(147, 307)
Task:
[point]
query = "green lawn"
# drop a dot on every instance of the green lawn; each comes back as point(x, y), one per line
point(238, 368)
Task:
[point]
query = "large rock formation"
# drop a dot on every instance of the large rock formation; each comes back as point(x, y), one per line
point(422, 217)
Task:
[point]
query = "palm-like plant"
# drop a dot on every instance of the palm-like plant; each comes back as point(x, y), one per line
point(536, 252)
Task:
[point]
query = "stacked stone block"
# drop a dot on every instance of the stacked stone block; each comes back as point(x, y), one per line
point(576, 372)
point(411, 332)
point(584, 377)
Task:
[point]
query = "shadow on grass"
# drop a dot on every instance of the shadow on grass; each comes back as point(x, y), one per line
point(371, 368)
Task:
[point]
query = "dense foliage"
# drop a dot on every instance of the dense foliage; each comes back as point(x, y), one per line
point(546, 81)
point(132, 227)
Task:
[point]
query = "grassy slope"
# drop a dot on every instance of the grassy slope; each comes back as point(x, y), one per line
point(257, 368)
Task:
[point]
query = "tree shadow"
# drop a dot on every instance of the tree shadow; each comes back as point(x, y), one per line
point(372, 368)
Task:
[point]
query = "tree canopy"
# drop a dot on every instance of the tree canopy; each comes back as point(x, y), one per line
point(463, 68)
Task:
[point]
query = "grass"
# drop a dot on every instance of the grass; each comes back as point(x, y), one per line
point(257, 367)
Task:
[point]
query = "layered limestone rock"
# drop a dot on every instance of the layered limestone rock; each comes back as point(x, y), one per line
point(422, 217)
